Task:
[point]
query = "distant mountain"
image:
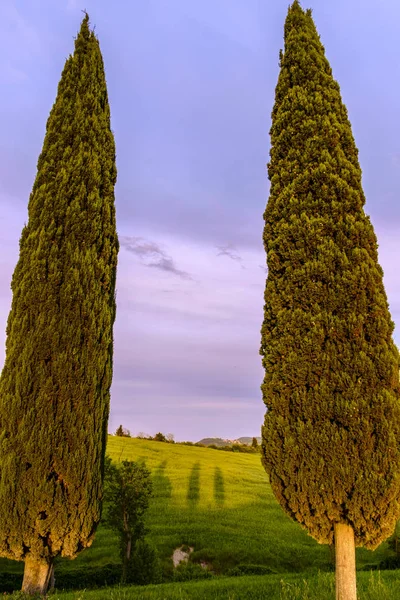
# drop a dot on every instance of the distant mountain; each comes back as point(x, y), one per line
point(215, 442)
point(222, 442)
point(248, 440)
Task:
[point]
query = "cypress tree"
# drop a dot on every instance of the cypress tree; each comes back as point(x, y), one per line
point(332, 427)
point(55, 384)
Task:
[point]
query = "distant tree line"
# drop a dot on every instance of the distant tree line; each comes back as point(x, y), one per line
point(169, 439)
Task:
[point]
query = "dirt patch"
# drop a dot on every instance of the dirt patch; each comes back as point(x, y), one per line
point(181, 554)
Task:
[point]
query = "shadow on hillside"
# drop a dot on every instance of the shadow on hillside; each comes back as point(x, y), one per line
point(193, 493)
point(219, 488)
point(162, 486)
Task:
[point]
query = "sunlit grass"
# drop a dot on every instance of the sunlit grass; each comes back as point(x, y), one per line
point(218, 502)
point(371, 586)
point(221, 504)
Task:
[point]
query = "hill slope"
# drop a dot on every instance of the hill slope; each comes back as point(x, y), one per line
point(218, 502)
point(222, 442)
point(221, 504)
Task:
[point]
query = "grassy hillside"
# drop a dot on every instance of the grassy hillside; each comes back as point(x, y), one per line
point(222, 505)
point(218, 502)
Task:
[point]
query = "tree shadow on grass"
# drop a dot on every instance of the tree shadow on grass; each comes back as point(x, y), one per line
point(219, 488)
point(162, 486)
point(193, 492)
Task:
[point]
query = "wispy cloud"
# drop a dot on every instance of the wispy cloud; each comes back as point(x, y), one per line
point(152, 255)
point(229, 251)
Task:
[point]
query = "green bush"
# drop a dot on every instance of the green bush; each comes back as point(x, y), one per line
point(389, 564)
point(188, 571)
point(145, 566)
point(249, 570)
point(10, 582)
point(88, 577)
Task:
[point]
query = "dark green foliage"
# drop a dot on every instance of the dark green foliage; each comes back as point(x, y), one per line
point(54, 388)
point(187, 571)
point(250, 570)
point(159, 437)
point(87, 577)
point(233, 448)
point(9, 582)
point(332, 427)
point(394, 541)
point(145, 566)
point(127, 492)
point(122, 432)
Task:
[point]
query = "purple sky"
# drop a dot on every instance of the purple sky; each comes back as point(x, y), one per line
point(191, 88)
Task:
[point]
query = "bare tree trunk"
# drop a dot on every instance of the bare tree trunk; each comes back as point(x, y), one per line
point(346, 588)
point(52, 578)
point(129, 548)
point(127, 557)
point(37, 576)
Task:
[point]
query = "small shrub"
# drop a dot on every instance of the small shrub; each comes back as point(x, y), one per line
point(390, 563)
point(145, 566)
point(188, 571)
point(250, 570)
point(88, 577)
point(10, 582)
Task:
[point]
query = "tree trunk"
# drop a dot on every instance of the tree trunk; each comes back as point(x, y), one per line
point(345, 551)
point(129, 548)
point(127, 557)
point(37, 576)
point(52, 579)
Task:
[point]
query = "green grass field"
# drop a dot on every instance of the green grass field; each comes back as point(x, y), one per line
point(221, 504)
point(371, 586)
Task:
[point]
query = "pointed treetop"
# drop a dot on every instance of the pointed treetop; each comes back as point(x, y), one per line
point(85, 30)
point(294, 18)
point(296, 6)
point(300, 20)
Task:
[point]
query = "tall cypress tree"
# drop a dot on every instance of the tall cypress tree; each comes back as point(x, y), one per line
point(55, 384)
point(332, 427)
